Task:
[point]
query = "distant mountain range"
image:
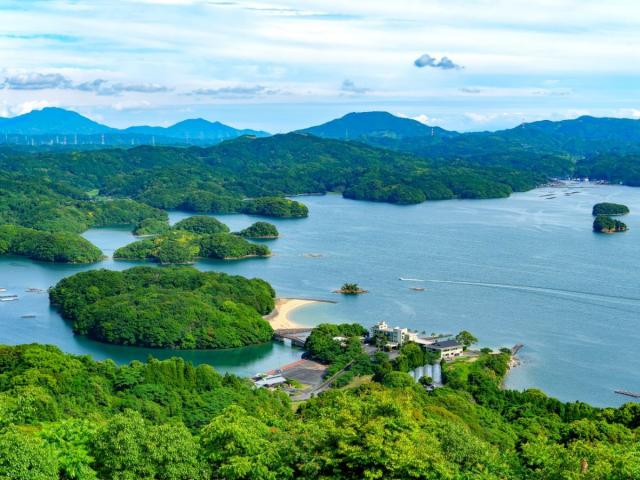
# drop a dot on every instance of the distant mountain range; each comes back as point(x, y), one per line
point(60, 126)
point(370, 125)
point(578, 137)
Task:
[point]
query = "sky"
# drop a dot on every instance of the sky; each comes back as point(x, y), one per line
point(282, 65)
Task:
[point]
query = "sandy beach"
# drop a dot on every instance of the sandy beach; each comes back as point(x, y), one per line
point(279, 318)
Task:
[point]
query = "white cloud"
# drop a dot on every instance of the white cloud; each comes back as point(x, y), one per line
point(483, 118)
point(131, 105)
point(26, 107)
point(422, 118)
point(521, 55)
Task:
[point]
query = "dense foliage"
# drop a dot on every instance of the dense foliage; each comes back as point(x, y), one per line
point(177, 246)
point(605, 224)
point(606, 208)
point(201, 225)
point(176, 307)
point(614, 167)
point(340, 347)
point(598, 148)
point(260, 230)
point(32, 199)
point(274, 207)
point(245, 174)
point(72, 418)
point(47, 246)
point(151, 226)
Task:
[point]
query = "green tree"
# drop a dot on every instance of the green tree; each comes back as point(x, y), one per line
point(72, 440)
point(466, 339)
point(237, 446)
point(25, 457)
point(126, 448)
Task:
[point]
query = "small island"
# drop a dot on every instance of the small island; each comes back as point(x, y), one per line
point(274, 207)
point(605, 224)
point(190, 239)
point(59, 247)
point(173, 307)
point(609, 209)
point(351, 289)
point(201, 224)
point(260, 230)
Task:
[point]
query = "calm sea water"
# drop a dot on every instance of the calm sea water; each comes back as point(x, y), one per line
point(527, 269)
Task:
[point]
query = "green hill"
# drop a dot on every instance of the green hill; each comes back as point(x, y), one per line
point(71, 417)
point(178, 308)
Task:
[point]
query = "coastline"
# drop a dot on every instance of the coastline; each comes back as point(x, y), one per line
point(279, 318)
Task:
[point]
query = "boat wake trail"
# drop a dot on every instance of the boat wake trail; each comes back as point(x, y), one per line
point(553, 291)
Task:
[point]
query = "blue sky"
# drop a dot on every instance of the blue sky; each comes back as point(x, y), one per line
point(283, 65)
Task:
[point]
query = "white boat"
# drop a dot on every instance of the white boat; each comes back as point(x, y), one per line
point(8, 299)
point(3, 289)
point(410, 279)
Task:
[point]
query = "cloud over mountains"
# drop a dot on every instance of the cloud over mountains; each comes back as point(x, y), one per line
point(57, 81)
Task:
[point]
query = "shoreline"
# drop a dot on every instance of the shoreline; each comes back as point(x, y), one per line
point(279, 318)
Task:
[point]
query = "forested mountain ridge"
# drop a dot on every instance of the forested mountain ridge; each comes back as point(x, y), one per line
point(365, 125)
point(218, 179)
point(552, 148)
point(584, 135)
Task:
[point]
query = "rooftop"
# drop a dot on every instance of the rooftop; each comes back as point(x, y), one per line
point(445, 344)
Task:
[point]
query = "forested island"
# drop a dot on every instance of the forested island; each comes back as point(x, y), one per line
point(47, 246)
point(173, 307)
point(259, 230)
point(605, 224)
point(190, 239)
point(71, 417)
point(606, 208)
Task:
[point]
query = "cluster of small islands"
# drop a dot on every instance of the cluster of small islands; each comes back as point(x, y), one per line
point(603, 222)
point(378, 402)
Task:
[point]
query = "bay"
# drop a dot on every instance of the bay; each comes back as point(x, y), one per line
point(527, 269)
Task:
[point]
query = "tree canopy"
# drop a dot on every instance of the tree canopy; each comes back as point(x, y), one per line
point(605, 224)
point(260, 230)
point(47, 246)
point(178, 246)
point(70, 417)
point(606, 208)
point(176, 307)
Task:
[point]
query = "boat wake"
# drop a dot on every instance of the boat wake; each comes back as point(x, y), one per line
point(531, 288)
point(410, 279)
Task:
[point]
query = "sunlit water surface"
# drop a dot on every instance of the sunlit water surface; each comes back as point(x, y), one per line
point(526, 269)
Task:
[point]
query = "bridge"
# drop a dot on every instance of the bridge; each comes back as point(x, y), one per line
point(297, 336)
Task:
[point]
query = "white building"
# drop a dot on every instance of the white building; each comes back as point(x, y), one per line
point(396, 336)
point(270, 381)
point(446, 348)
